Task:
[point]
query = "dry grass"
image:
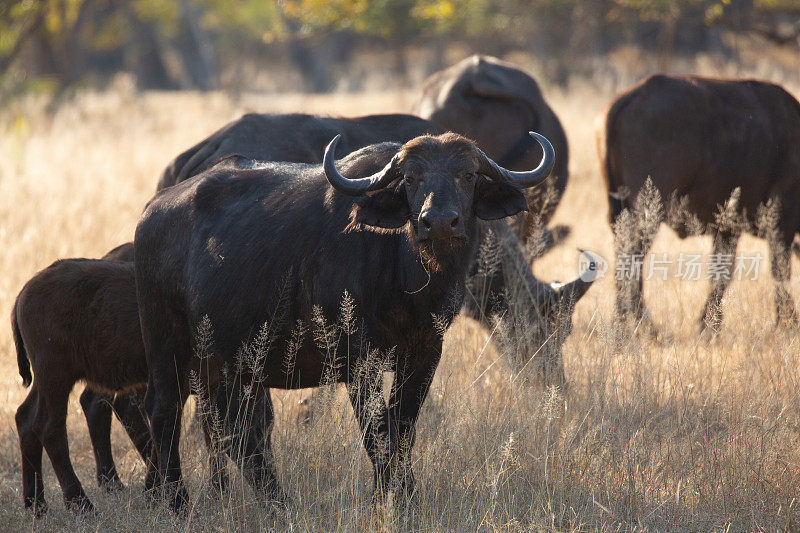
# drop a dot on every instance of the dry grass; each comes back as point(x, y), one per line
point(677, 434)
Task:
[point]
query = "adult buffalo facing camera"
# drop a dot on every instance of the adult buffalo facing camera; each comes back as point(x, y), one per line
point(496, 104)
point(302, 138)
point(392, 226)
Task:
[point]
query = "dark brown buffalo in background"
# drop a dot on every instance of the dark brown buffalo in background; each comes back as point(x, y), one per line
point(699, 139)
point(292, 137)
point(496, 104)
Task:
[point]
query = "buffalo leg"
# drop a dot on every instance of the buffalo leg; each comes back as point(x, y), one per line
point(97, 410)
point(167, 347)
point(31, 451)
point(165, 410)
point(216, 459)
point(51, 421)
point(409, 390)
point(248, 420)
point(629, 278)
point(722, 265)
point(366, 396)
point(130, 413)
point(780, 259)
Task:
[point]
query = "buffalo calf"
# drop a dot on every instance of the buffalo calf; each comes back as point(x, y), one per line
point(76, 320)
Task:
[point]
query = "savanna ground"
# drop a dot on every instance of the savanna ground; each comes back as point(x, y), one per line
point(670, 434)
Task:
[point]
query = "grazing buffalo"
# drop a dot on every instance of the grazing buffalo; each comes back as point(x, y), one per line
point(390, 231)
point(497, 104)
point(721, 149)
point(78, 320)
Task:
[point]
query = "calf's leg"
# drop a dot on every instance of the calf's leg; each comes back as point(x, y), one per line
point(51, 423)
point(97, 410)
point(31, 451)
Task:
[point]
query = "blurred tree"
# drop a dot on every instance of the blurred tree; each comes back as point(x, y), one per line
point(181, 43)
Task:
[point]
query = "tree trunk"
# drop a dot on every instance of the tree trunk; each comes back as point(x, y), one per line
point(197, 49)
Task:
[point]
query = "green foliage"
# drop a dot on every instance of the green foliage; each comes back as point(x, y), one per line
point(239, 21)
point(69, 28)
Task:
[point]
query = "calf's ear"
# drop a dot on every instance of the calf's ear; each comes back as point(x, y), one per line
point(384, 209)
point(497, 199)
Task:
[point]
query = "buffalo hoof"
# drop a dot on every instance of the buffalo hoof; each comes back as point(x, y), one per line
point(400, 493)
point(219, 484)
point(80, 505)
point(179, 502)
point(111, 484)
point(39, 506)
point(176, 495)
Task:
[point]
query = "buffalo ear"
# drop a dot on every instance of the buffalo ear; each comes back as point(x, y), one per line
point(497, 199)
point(385, 208)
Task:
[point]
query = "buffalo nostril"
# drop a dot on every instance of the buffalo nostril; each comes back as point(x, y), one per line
point(454, 222)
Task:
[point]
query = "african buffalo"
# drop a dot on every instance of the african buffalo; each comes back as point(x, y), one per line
point(293, 137)
point(699, 140)
point(302, 138)
point(256, 252)
point(496, 104)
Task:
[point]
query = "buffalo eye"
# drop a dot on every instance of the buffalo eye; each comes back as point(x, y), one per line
point(409, 180)
point(468, 176)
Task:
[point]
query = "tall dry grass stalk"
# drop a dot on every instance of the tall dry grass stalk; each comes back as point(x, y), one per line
point(679, 434)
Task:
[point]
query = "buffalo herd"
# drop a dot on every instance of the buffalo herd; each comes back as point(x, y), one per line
point(277, 222)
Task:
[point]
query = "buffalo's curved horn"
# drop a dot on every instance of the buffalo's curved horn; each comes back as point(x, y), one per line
point(354, 187)
point(524, 179)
